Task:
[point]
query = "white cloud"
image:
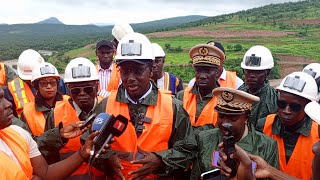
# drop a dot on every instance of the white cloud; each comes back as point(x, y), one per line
point(111, 11)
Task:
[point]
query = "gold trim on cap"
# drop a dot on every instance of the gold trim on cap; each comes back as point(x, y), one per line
point(227, 96)
point(203, 51)
point(233, 104)
point(206, 59)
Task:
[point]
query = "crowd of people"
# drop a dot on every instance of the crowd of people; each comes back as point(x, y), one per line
point(174, 132)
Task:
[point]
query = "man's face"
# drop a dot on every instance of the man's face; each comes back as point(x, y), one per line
point(205, 76)
point(48, 87)
point(135, 78)
point(105, 55)
point(238, 122)
point(6, 113)
point(291, 108)
point(254, 79)
point(84, 93)
point(157, 68)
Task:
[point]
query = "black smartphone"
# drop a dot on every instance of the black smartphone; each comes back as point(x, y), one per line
point(211, 175)
point(88, 121)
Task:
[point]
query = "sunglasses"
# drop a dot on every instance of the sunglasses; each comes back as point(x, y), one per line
point(77, 90)
point(293, 106)
point(46, 83)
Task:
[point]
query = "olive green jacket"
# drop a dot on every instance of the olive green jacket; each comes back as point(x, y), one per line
point(254, 143)
point(182, 144)
point(201, 103)
point(267, 104)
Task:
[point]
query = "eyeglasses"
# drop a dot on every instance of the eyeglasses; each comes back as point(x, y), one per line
point(77, 90)
point(135, 71)
point(293, 106)
point(46, 83)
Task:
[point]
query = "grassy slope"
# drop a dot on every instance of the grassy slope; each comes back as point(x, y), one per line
point(304, 40)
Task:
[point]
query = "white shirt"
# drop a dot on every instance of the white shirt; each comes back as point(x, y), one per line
point(223, 76)
point(160, 82)
point(33, 147)
point(104, 77)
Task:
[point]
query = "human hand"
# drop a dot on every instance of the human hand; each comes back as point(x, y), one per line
point(151, 163)
point(263, 169)
point(115, 166)
point(72, 130)
point(244, 168)
point(87, 147)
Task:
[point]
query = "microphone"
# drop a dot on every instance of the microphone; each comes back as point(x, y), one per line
point(113, 127)
point(88, 121)
point(98, 123)
point(108, 126)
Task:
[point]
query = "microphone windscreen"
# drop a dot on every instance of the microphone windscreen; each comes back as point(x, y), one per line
point(99, 121)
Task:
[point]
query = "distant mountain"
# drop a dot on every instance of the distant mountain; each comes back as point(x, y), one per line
point(163, 24)
point(51, 20)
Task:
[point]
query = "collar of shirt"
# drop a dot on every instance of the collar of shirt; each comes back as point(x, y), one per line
point(141, 98)
point(78, 109)
point(195, 91)
point(109, 69)
point(42, 106)
point(223, 75)
point(265, 86)
point(150, 99)
point(303, 128)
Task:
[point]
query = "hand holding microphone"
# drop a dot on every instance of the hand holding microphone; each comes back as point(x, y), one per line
point(108, 127)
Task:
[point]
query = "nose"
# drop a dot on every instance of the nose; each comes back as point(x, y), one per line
point(287, 110)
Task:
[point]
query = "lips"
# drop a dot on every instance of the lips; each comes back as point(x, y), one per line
point(133, 87)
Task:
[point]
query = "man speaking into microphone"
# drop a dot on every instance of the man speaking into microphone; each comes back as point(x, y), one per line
point(159, 139)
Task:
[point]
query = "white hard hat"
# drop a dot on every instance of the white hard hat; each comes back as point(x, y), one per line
point(121, 29)
point(28, 59)
point(301, 84)
point(79, 70)
point(312, 69)
point(44, 70)
point(312, 109)
point(257, 58)
point(134, 47)
point(157, 50)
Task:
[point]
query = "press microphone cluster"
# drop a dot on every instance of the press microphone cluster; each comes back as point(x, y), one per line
point(108, 126)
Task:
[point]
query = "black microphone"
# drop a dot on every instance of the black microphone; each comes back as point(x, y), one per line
point(98, 123)
point(114, 127)
point(229, 148)
point(89, 120)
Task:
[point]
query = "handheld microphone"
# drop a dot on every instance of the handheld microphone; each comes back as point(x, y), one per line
point(98, 123)
point(88, 121)
point(229, 148)
point(114, 127)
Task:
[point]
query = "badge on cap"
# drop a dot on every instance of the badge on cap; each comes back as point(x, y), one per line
point(227, 96)
point(203, 51)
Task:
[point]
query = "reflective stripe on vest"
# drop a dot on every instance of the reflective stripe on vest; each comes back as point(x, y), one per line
point(231, 80)
point(300, 162)
point(114, 78)
point(2, 75)
point(21, 93)
point(207, 115)
point(155, 136)
point(20, 148)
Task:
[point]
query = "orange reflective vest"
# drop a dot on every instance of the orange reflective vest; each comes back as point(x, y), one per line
point(207, 116)
point(114, 79)
point(230, 81)
point(21, 93)
point(20, 148)
point(2, 74)
point(300, 162)
point(65, 113)
point(155, 136)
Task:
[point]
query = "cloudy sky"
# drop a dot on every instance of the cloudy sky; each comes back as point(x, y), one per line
point(111, 11)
